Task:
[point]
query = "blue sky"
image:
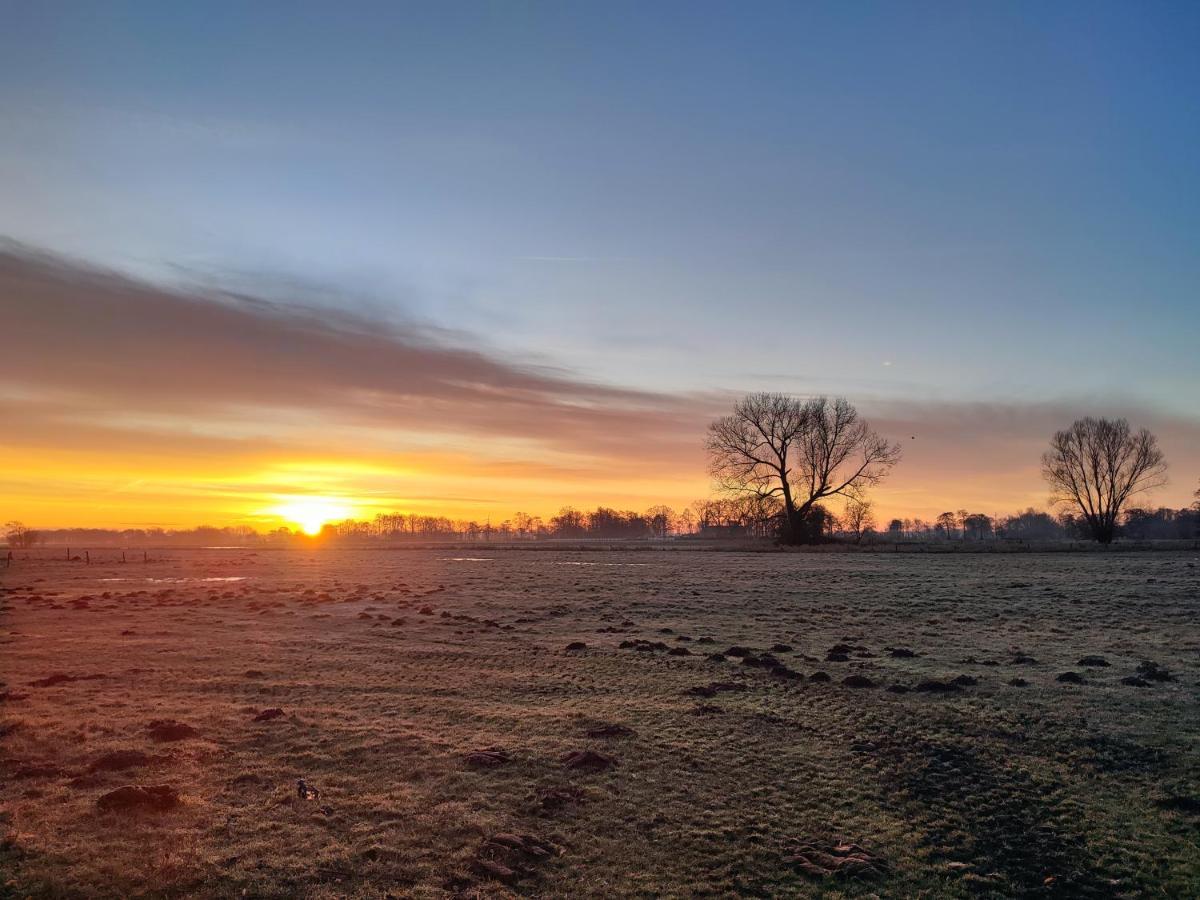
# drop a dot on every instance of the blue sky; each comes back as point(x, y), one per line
point(929, 201)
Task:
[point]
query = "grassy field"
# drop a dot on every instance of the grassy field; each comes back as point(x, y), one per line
point(451, 744)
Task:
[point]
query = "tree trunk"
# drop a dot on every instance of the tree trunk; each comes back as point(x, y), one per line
point(800, 529)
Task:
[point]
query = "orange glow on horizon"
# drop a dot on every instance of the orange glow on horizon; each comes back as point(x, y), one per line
point(312, 513)
point(127, 406)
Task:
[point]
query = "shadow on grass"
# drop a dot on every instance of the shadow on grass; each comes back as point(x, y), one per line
point(1008, 828)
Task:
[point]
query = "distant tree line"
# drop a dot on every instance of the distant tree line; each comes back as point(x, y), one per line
point(721, 518)
point(778, 463)
point(1034, 525)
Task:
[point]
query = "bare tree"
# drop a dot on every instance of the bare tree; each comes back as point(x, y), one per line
point(19, 535)
point(858, 518)
point(947, 524)
point(800, 452)
point(1097, 465)
point(660, 519)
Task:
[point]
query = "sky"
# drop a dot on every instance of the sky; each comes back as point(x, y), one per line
point(483, 257)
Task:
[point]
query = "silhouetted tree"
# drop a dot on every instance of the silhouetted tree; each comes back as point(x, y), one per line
point(947, 525)
point(1097, 465)
point(858, 518)
point(1160, 524)
point(800, 452)
point(977, 527)
point(568, 523)
point(1030, 525)
point(660, 519)
point(19, 535)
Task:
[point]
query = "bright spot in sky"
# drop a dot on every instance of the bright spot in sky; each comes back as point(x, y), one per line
point(311, 513)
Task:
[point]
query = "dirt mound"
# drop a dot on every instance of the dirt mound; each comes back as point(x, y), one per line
point(1152, 671)
point(268, 714)
point(858, 681)
point(643, 645)
point(488, 758)
point(170, 730)
point(836, 861)
point(510, 857)
point(119, 760)
point(1098, 662)
point(577, 645)
point(933, 686)
point(133, 797)
point(548, 800)
point(610, 730)
point(588, 761)
point(1070, 678)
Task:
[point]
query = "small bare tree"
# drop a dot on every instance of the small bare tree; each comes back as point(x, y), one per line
point(660, 519)
point(799, 452)
point(947, 524)
point(1097, 465)
point(19, 535)
point(858, 518)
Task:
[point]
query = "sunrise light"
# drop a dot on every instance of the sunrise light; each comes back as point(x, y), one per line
point(311, 513)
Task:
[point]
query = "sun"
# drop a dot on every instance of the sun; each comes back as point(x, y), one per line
point(311, 513)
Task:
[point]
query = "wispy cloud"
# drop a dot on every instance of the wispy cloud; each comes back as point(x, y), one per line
point(118, 388)
point(101, 350)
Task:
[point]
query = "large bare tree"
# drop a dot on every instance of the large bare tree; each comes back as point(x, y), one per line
point(799, 451)
point(1097, 465)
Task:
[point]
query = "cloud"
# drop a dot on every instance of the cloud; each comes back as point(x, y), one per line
point(185, 393)
point(101, 350)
